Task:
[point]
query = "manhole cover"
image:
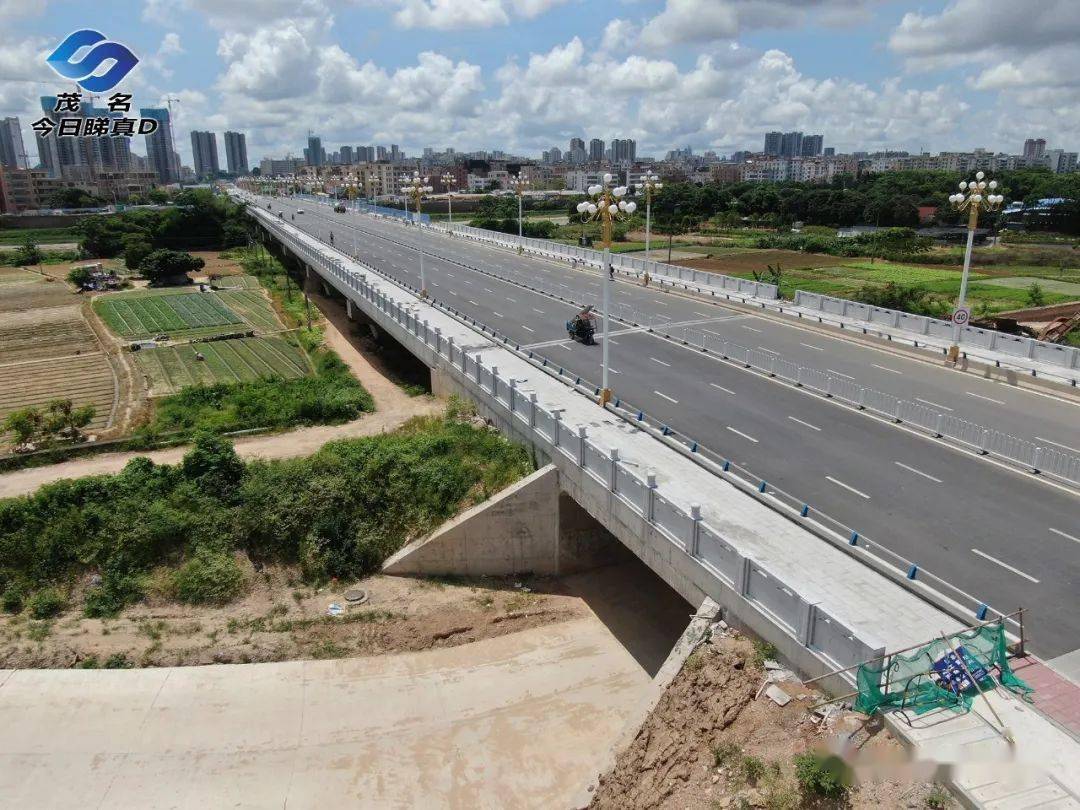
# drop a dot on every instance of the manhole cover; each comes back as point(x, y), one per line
point(356, 596)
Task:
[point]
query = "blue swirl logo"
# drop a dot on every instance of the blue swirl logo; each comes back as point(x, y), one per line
point(101, 52)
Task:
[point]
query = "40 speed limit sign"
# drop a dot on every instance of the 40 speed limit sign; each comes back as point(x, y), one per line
point(961, 316)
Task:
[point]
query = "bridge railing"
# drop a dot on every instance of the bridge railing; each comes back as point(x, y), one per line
point(971, 337)
point(672, 520)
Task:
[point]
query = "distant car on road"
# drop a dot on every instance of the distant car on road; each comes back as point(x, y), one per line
point(339, 208)
point(299, 210)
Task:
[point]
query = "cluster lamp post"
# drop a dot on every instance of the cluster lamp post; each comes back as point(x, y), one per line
point(519, 183)
point(416, 187)
point(607, 206)
point(973, 198)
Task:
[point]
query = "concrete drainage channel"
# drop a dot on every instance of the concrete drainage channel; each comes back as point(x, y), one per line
point(936, 591)
point(960, 434)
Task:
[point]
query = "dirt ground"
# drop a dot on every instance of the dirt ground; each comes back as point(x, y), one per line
point(713, 741)
point(758, 260)
point(281, 619)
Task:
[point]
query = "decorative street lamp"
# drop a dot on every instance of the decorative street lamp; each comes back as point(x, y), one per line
point(519, 183)
point(449, 182)
point(973, 198)
point(416, 187)
point(650, 185)
point(606, 207)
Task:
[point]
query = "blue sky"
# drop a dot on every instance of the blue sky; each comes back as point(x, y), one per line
point(524, 75)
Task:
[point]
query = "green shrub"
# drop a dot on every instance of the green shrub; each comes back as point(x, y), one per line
point(822, 775)
point(938, 798)
point(116, 592)
point(14, 597)
point(763, 651)
point(752, 768)
point(724, 751)
point(209, 578)
point(46, 603)
point(118, 661)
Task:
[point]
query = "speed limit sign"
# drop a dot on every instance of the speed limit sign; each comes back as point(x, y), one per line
point(961, 316)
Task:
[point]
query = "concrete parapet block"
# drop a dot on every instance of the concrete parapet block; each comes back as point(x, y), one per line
point(530, 527)
point(515, 531)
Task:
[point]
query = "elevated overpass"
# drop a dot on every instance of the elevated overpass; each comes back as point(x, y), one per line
point(992, 533)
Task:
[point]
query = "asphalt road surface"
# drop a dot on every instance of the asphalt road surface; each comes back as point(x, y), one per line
point(1000, 534)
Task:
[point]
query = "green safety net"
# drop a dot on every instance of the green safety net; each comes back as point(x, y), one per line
point(921, 681)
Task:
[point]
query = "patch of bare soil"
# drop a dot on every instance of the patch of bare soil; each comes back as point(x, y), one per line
point(717, 740)
point(280, 619)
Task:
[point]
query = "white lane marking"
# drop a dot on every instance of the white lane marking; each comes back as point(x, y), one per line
point(508, 298)
point(661, 303)
point(933, 404)
point(496, 314)
point(565, 347)
point(1059, 444)
point(815, 348)
point(752, 329)
point(1066, 535)
point(988, 399)
point(725, 390)
point(886, 368)
point(613, 342)
point(740, 433)
point(539, 311)
point(527, 329)
point(1006, 566)
point(702, 314)
point(665, 396)
point(451, 292)
point(804, 424)
point(917, 472)
point(661, 362)
point(489, 290)
point(473, 303)
point(767, 349)
point(614, 371)
point(839, 373)
point(464, 281)
point(845, 486)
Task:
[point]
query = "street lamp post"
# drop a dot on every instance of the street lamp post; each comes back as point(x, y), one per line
point(606, 207)
point(519, 183)
point(973, 198)
point(416, 187)
point(650, 184)
point(449, 182)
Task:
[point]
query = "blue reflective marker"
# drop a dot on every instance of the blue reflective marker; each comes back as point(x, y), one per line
point(913, 571)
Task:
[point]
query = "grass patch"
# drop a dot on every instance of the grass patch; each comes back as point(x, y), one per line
point(823, 776)
point(763, 651)
point(41, 236)
point(148, 313)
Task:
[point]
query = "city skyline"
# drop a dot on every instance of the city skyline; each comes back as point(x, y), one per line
point(709, 75)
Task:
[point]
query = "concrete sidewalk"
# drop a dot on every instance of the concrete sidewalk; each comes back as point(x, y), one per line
point(522, 720)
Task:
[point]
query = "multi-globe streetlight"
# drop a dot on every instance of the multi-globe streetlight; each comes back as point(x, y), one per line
point(973, 198)
point(449, 182)
point(417, 187)
point(607, 206)
point(519, 183)
point(650, 184)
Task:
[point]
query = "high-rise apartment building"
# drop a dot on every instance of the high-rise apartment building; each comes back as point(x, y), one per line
point(812, 145)
point(791, 144)
point(576, 154)
point(159, 150)
point(236, 157)
point(1034, 148)
point(380, 153)
point(772, 143)
point(12, 151)
point(596, 150)
point(623, 150)
point(314, 153)
point(345, 154)
point(395, 154)
point(829, 151)
point(204, 155)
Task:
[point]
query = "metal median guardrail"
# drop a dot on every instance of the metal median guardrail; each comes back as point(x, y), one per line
point(807, 622)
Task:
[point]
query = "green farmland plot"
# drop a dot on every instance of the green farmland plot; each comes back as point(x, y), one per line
point(170, 368)
point(133, 316)
point(253, 307)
